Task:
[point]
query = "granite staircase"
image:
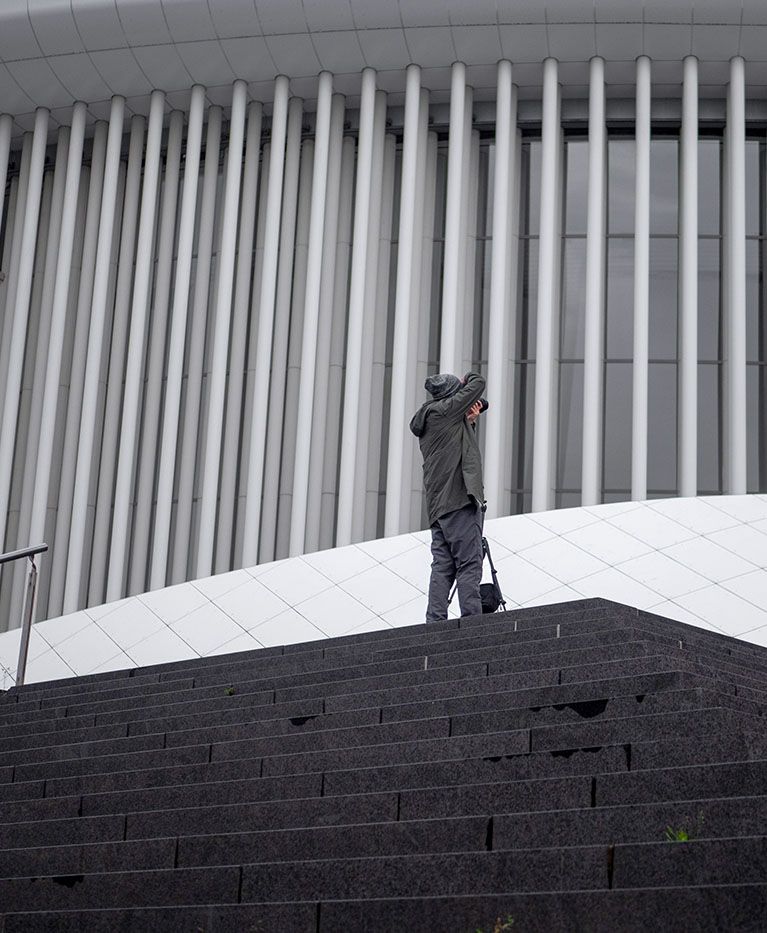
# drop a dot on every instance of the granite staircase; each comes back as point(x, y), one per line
point(584, 766)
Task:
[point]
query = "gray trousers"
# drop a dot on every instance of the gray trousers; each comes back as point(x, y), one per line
point(456, 549)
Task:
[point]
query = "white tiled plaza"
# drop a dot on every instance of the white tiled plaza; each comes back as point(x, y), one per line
point(699, 560)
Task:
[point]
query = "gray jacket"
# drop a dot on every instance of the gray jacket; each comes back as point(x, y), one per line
point(452, 463)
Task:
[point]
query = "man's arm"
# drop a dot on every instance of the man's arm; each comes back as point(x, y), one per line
point(457, 405)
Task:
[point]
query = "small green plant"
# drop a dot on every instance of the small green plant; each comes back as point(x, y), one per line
point(682, 834)
point(500, 926)
point(230, 691)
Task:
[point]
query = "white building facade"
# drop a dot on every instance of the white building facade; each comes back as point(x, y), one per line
point(238, 234)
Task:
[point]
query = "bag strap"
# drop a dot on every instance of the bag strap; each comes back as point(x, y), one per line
point(493, 574)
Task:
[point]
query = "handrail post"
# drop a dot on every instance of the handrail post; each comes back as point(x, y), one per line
point(28, 612)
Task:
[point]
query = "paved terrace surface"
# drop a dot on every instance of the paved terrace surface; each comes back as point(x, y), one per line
point(521, 771)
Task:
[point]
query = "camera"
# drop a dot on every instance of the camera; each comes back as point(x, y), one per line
point(484, 405)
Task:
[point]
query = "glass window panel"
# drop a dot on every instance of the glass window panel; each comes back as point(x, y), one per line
point(573, 298)
point(440, 194)
point(524, 400)
point(663, 299)
point(567, 500)
point(662, 429)
point(753, 187)
point(664, 185)
point(435, 323)
point(527, 301)
point(623, 496)
point(621, 156)
point(570, 447)
point(484, 193)
point(753, 322)
point(709, 185)
point(617, 428)
point(709, 426)
point(709, 294)
point(530, 200)
point(576, 185)
point(753, 442)
point(756, 432)
point(620, 298)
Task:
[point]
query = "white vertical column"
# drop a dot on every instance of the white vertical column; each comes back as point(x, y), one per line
point(468, 251)
point(395, 480)
point(420, 303)
point(325, 324)
point(735, 365)
point(265, 326)
point(6, 128)
point(14, 260)
point(420, 360)
point(191, 416)
point(110, 440)
point(41, 357)
point(176, 341)
point(223, 316)
point(231, 440)
point(355, 335)
point(641, 282)
point(450, 352)
point(279, 361)
point(513, 291)
point(688, 284)
point(593, 362)
point(245, 424)
point(370, 304)
point(85, 458)
point(497, 368)
point(337, 335)
point(77, 374)
point(21, 312)
point(155, 362)
point(376, 471)
point(42, 468)
point(126, 458)
point(295, 342)
point(311, 315)
point(548, 274)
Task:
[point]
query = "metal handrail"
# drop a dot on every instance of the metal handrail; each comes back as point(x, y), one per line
point(30, 598)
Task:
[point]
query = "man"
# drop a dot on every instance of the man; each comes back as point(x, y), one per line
point(452, 476)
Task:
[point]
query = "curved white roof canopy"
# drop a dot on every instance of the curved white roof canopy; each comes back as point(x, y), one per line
point(53, 52)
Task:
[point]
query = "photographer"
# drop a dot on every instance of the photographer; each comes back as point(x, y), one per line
point(452, 476)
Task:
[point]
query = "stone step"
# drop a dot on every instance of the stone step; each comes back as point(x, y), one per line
point(640, 728)
point(676, 752)
point(295, 917)
point(700, 817)
point(709, 909)
point(129, 761)
point(577, 868)
point(477, 770)
point(561, 739)
point(279, 814)
point(297, 657)
point(460, 696)
point(276, 664)
point(180, 886)
point(75, 831)
point(346, 694)
point(715, 908)
point(92, 858)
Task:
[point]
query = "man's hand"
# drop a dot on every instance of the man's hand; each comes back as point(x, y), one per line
point(473, 413)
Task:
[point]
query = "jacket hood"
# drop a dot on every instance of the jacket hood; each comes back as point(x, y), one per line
point(418, 421)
